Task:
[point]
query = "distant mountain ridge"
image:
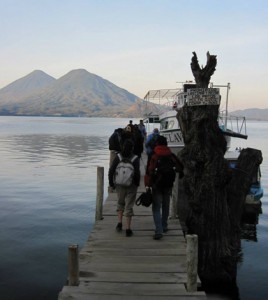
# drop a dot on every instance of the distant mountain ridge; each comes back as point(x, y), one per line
point(253, 113)
point(78, 93)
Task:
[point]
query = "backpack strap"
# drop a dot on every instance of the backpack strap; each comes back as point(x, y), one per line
point(133, 158)
point(121, 157)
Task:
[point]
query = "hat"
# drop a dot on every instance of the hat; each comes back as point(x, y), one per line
point(128, 128)
point(156, 130)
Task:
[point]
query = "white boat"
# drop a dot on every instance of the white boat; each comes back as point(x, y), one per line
point(162, 106)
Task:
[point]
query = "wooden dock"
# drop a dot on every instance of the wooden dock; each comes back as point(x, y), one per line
point(113, 266)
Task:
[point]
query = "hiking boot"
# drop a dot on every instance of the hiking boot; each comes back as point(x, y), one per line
point(119, 227)
point(157, 236)
point(129, 232)
point(165, 230)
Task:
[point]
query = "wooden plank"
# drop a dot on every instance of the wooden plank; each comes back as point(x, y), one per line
point(141, 236)
point(137, 218)
point(73, 293)
point(126, 288)
point(133, 267)
point(126, 259)
point(136, 277)
point(132, 252)
point(137, 290)
point(147, 244)
point(138, 222)
point(138, 231)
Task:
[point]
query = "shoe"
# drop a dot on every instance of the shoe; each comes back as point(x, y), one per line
point(129, 232)
point(157, 236)
point(119, 227)
point(165, 230)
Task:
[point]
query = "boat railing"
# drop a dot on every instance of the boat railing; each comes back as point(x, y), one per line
point(235, 125)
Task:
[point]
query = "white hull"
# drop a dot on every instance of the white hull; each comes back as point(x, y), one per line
point(170, 129)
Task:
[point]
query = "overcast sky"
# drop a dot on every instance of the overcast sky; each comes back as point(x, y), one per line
point(139, 44)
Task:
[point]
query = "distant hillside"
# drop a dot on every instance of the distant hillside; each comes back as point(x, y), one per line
point(78, 93)
point(253, 114)
point(24, 86)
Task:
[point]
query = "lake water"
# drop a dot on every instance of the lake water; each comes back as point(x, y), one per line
point(47, 202)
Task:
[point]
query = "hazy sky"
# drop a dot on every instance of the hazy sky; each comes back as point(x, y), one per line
point(139, 44)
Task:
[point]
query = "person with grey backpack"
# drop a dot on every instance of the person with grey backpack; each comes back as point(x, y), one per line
point(124, 176)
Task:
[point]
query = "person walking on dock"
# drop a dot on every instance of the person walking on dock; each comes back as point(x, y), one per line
point(142, 129)
point(138, 141)
point(115, 141)
point(151, 142)
point(126, 186)
point(160, 176)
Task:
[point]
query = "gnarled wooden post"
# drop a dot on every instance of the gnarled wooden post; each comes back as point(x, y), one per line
point(208, 184)
point(202, 75)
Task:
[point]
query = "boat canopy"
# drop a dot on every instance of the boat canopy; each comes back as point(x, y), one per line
point(165, 94)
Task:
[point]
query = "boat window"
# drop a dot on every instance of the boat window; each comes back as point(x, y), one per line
point(171, 124)
point(167, 124)
point(163, 125)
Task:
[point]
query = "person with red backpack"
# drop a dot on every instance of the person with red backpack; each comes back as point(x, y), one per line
point(160, 176)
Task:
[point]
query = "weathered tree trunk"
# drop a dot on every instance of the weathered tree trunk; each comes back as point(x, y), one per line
point(214, 192)
point(205, 182)
point(202, 75)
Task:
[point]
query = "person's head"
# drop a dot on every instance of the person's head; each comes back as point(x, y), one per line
point(155, 131)
point(161, 141)
point(130, 121)
point(128, 147)
point(141, 121)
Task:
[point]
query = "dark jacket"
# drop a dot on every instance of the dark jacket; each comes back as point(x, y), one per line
point(136, 164)
point(160, 150)
point(115, 140)
point(138, 141)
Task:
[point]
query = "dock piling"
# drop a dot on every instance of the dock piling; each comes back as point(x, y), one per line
point(174, 199)
point(73, 265)
point(192, 261)
point(100, 189)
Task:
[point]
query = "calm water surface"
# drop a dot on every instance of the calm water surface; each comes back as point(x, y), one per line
point(47, 202)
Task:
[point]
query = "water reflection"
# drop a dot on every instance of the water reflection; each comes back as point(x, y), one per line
point(76, 150)
point(47, 202)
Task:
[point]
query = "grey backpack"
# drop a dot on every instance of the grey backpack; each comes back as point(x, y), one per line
point(124, 171)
